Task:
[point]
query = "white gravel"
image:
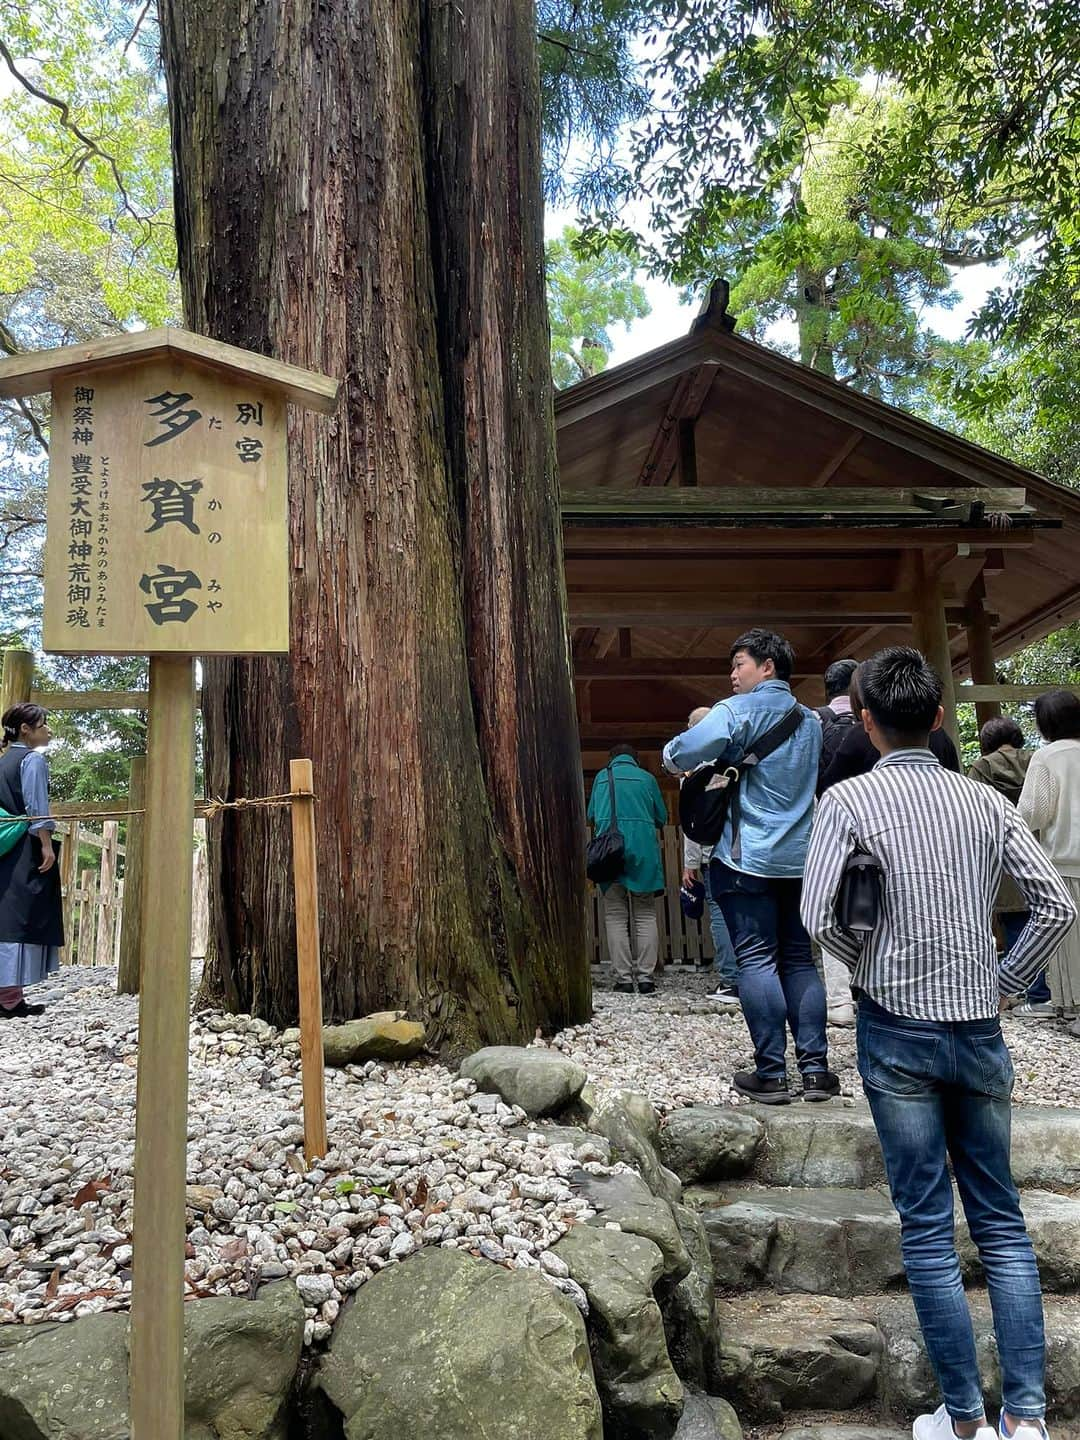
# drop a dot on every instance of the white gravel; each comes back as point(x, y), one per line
point(417, 1157)
point(680, 1048)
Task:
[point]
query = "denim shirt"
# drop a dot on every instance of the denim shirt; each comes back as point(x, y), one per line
point(777, 796)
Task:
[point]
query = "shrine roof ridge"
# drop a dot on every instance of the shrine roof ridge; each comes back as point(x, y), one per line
point(29, 374)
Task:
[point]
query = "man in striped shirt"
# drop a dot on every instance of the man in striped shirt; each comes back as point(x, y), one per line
point(931, 1055)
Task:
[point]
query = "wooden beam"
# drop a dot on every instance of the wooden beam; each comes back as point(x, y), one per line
point(676, 608)
point(985, 694)
point(660, 540)
point(833, 464)
point(686, 405)
point(932, 638)
point(90, 699)
point(757, 502)
point(980, 641)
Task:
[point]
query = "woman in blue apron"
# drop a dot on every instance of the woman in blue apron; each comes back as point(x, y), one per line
point(31, 913)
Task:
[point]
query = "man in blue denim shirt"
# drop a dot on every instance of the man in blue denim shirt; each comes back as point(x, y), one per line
point(757, 876)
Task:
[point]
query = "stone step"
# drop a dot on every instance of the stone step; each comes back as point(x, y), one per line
point(834, 1143)
point(843, 1242)
point(816, 1429)
point(779, 1353)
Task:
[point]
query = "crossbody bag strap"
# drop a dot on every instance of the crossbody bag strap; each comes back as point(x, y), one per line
point(773, 738)
point(613, 823)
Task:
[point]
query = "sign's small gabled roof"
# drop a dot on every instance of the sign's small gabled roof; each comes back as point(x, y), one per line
point(22, 375)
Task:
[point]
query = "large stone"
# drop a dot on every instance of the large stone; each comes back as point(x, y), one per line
point(795, 1352)
point(710, 1142)
point(818, 1145)
point(822, 1242)
point(541, 1081)
point(907, 1381)
point(689, 1308)
point(450, 1346)
point(625, 1200)
point(1053, 1222)
point(836, 1144)
point(707, 1417)
point(384, 1036)
point(846, 1432)
point(240, 1358)
point(639, 1390)
point(632, 1125)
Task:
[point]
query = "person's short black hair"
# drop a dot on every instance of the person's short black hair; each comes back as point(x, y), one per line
point(764, 645)
point(998, 732)
point(617, 750)
point(1058, 715)
point(19, 715)
point(838, 678)
point(902, 691)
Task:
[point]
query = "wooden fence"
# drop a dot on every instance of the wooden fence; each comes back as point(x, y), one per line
point(682, 941)
point(94, 896)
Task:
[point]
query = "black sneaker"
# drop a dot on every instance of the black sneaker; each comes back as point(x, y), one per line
point(724, 991)
point(21, 1011)
point(822, 1085)
point(623, 987)
point(646, 987)
point(769, 1092)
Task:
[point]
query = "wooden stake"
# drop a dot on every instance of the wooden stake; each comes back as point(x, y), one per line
point(305, 878)
point(103, 949)
point(69, 871)
point(87, 916)
point(157, 1302)
point(15, 678)
point(127, 975)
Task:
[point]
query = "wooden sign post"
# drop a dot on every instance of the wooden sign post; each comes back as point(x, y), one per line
point(167, 536)
point(305, 880)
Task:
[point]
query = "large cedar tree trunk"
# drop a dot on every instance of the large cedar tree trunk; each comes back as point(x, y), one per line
point(358, 192)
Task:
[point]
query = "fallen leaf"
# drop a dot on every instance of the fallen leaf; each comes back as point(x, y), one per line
point(233, 1250)
point(91, 1190)
point(420, 1194)
point(294, 1162)
point(54, 1285)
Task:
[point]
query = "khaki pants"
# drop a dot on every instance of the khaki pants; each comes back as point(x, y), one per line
point(837, 978)
point(632, 937)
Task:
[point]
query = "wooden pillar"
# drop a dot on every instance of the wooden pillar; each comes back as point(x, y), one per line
point(157, 1301)
point(103, 948)
point(127, 975)
point(16, 678)
point(309, 974)
point(69, 880)
point(932, 638)
point(980, 638)
point(87, 916)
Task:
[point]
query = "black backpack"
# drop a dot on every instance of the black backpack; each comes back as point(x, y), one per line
point(712, 791)
point(833, 729)
point(606, 852)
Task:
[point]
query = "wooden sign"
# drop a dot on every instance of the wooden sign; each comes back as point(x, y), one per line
point(167, 513)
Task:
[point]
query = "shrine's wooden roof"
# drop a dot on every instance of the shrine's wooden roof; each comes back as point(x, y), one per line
point(712, 483)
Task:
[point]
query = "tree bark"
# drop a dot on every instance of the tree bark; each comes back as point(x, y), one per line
point(358, 191)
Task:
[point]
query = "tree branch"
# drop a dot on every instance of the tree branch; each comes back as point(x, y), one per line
point(71, 125)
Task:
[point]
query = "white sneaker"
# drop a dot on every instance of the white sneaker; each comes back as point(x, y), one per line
point(1026, 1430)
point(939, 1426)
point(843, 1015)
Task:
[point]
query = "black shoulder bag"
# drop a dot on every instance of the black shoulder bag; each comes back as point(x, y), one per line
point(606, 853)
point(858, 901)
point(712, 792)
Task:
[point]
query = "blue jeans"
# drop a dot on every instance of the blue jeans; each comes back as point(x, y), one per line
point(779, 985)
point(937, 1089)
point(1012, 922)
point(724, 960)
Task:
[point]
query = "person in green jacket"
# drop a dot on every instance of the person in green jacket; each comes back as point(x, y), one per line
point(628, 903)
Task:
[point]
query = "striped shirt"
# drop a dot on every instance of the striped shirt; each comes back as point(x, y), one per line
point(943, 842)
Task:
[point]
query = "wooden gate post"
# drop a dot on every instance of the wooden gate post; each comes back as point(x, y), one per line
point(305, 878)
point(16, 678)
point(127, 975)
point(103, 949)
point(69, 876)
point(87, 916)
point(161, 1118)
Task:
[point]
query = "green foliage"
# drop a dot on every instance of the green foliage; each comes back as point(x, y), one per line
point(588, 292)
point(590, 87)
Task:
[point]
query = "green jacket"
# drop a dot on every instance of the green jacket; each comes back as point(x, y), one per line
point(639, 810)
point(1004, 770)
